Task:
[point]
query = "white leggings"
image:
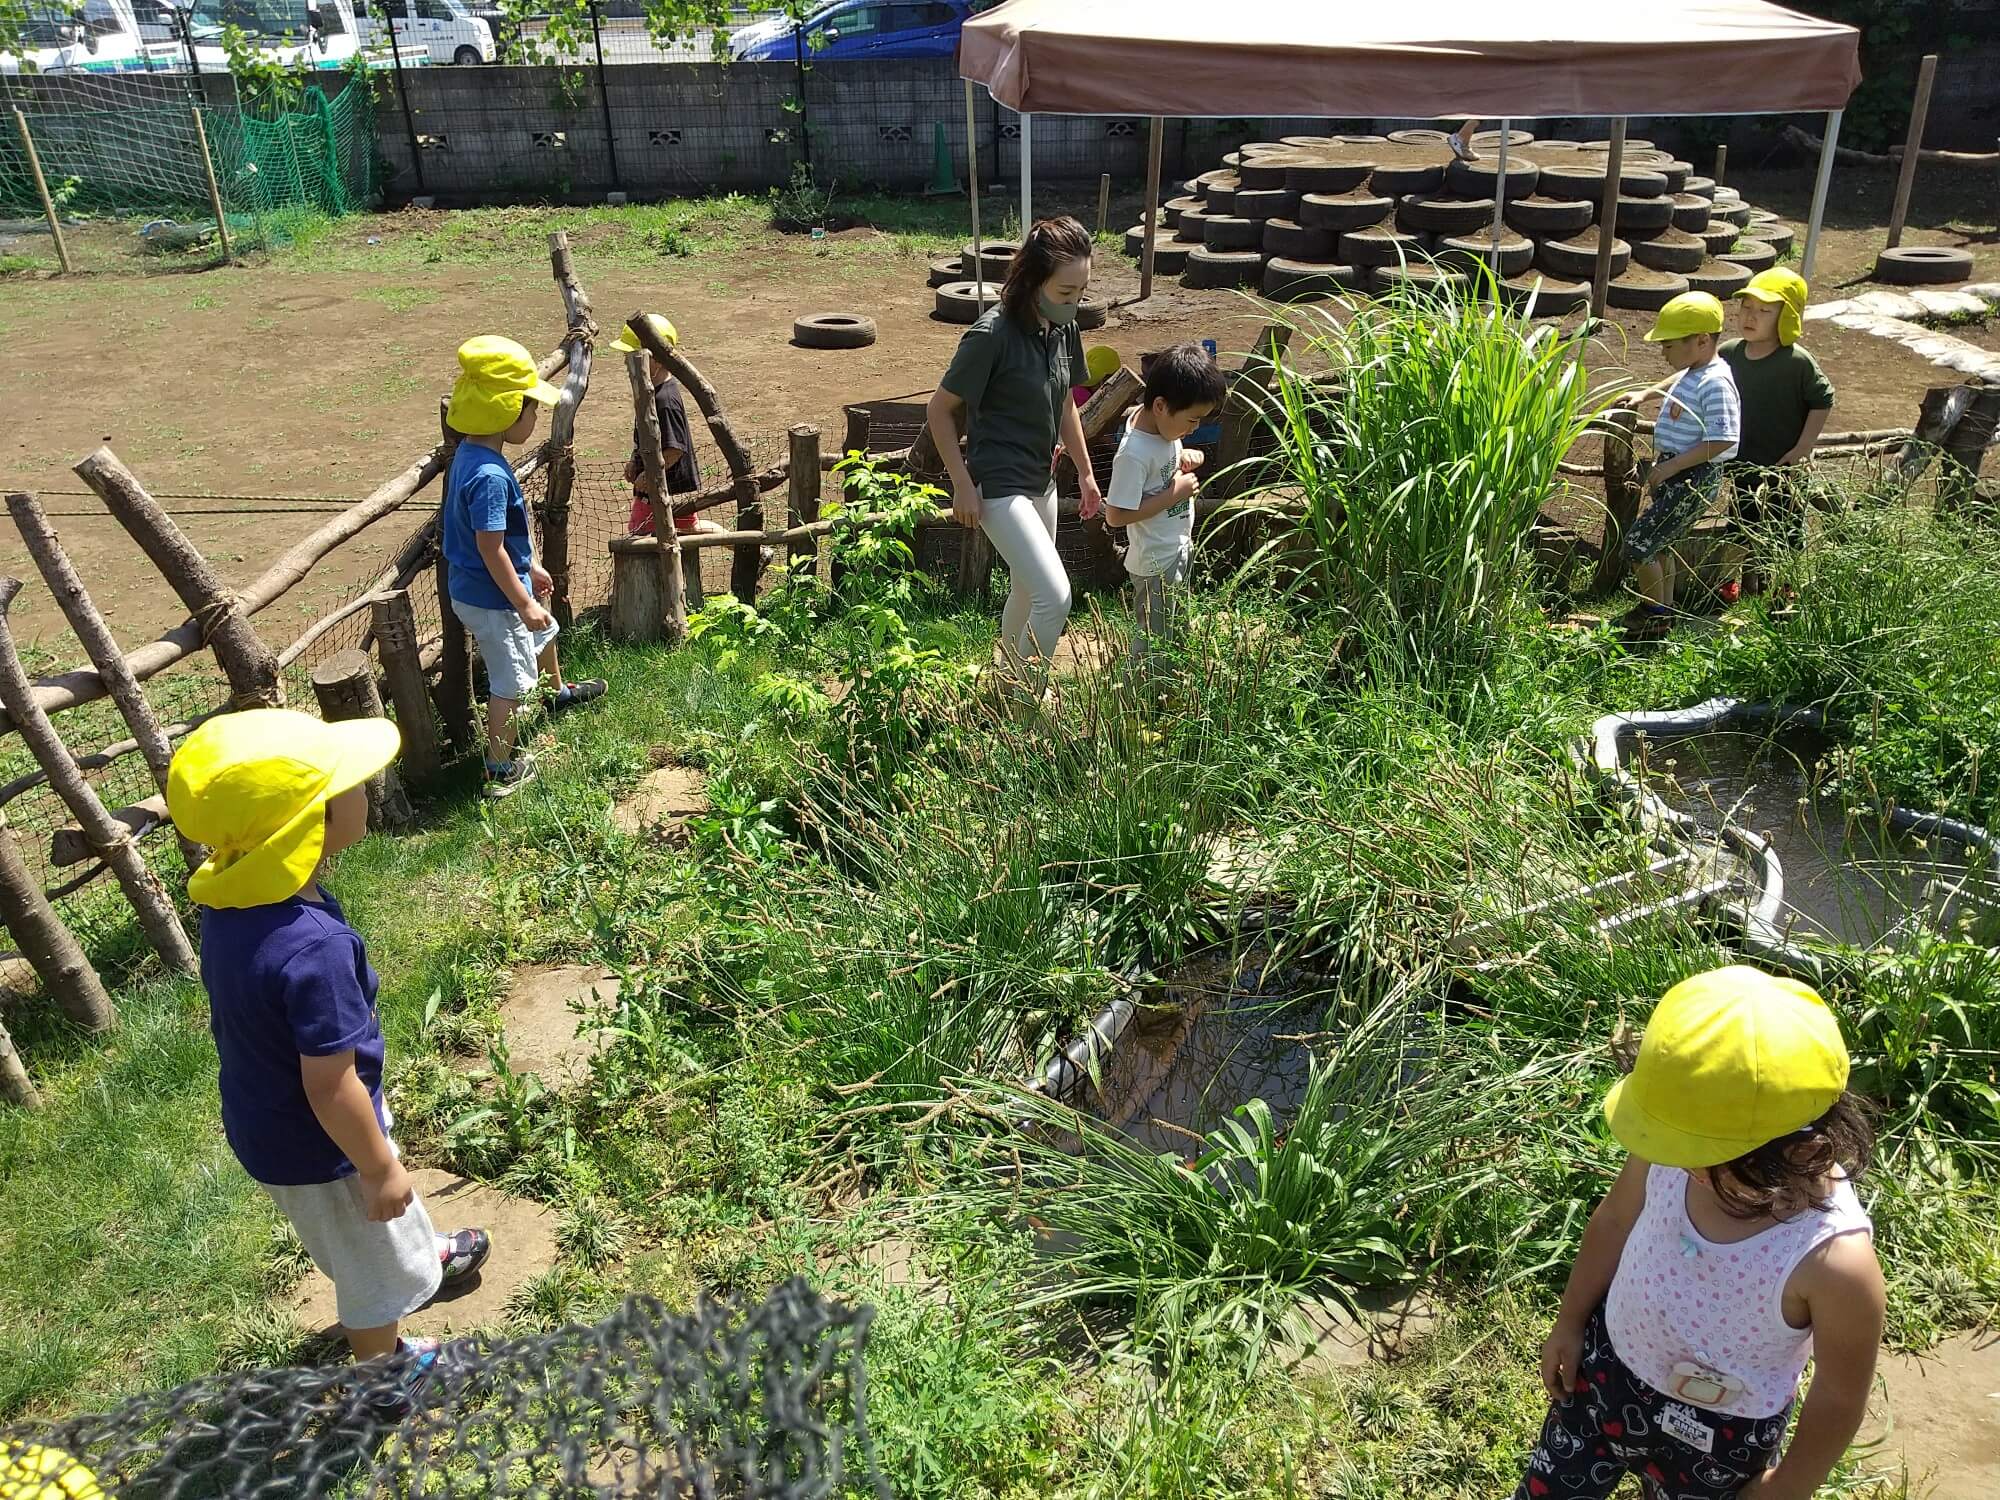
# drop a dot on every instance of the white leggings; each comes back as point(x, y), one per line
point(1022, 529)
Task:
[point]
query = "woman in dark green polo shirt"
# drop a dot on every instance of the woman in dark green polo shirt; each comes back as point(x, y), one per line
point(1011, 379)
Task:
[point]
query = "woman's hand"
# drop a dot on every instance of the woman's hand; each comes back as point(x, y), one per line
point(1562, 1355)
point(967, 507)
point(1093, 498)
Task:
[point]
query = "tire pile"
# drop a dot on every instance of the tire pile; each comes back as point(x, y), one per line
point(1313, 216)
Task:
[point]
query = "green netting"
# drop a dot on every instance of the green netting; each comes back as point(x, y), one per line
point(127, 142)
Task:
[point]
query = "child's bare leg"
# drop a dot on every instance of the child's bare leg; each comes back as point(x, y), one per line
point(372, 1343)
point(500, 727)
point(1650, 579)
point(551, 668)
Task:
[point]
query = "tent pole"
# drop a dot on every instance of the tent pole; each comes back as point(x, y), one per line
point(1150, 222)
point(1027, 173)
point(1820, 185)
point(1500, 197)
point(972, 188)
point(1607, 219)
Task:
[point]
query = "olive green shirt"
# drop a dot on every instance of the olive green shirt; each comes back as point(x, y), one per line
point(1777, 392)
point(1014, 384)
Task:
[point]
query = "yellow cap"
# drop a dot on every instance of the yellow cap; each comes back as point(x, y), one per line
point(254, 786)
point(627, 340)
point(495, 376)
point(1099, 361)
point(30, 1471)
point(1731, 1060)
point(1690, 312)
point(1789, 291)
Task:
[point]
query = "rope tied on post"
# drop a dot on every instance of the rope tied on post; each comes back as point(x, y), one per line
point(212, 616)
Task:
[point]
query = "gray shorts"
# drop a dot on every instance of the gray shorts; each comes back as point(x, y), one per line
point(508, 648)
point(1158, 602)
point(381, 1273)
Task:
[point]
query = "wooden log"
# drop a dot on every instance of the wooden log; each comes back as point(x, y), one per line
point(562, 429)
point(42, 192)
point(1228, 469)
point(344, 684)
point(646, 418)
point(975, 564)
point(854, 439)
point(16, 1087)
point(72, 846)
point(214, 189)
point(1098, 415)
point(250, 665)
point(1607, 222)
point(97, 760)
point(395, 620)
point(802, 504)
point(1103, 202)
point(66, 586)
point(1622, 494)
point(1808, 144)
point(1149, 217)
point(55, 956)
point(454, 681)
point(1906, 179)
point(111, 840)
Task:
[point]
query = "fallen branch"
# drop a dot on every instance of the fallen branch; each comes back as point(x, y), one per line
point(1812, 145)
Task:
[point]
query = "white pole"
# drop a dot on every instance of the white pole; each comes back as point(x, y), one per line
point(1027, 173)
point(972, 188)
point(1500, 196)
point(1819, 194)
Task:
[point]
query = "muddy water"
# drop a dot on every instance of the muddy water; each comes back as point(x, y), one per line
point(1849, 878)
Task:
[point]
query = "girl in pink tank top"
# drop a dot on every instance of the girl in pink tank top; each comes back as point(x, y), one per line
point(1730, 1250)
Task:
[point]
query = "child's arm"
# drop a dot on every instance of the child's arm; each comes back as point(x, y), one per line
point(1590, 1277)
point(500, 568)
point(1182, 488)
point(1680, 463)
point(1842, 1285)
point(1632, 400)
point(1808, 436)
point(340, 1103)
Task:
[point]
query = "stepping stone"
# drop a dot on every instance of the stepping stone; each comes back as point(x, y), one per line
point(540, 1015)
point(1335, 1339)
point(1939, 1413)
point(524, 1246)
point(662, 802)
point(1953, 304)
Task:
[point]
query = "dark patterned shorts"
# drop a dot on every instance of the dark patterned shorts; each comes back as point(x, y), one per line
point(1618, 1425)
point(1677, 505)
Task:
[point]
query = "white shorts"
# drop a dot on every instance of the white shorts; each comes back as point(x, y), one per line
point(381, 1273)
point(508, 648)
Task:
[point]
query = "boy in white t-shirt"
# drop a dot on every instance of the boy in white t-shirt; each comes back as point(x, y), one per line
point(1153, 485)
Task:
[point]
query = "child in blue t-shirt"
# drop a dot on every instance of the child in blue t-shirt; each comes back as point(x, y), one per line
point(497, 588)
point(292, 1007)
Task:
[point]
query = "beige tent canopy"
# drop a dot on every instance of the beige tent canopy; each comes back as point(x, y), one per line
point(1411, 59)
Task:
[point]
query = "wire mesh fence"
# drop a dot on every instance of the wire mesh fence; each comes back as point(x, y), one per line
point(732, 1398)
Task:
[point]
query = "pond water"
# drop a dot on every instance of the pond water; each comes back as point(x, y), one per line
point(1849, 877)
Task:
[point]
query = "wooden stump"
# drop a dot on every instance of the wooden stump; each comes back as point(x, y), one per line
point(454, 684)
point(395, 623)
point(635, 612)
point(344, 684)
point(667, 560)
point(1622, 495)
point(802, 507)
point(46, 944)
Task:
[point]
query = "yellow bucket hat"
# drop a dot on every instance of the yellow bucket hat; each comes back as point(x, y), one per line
point(1789, 291)
point(1690, 312)
point(254, 786)
point(29, 1471)
point(627, 340)
point(1732, 1059)
point(495, 375)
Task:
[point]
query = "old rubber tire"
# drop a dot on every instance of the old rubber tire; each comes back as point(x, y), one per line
point(1719, 278)
point(946, 269)
point(1092, 310)
point(1173, 208)
point(1462, 252)
point(1671, 250)
point(1478, 179)
point(1701, 187)
point(1923, 265)
point(1752, 255)
point(1779, 237)
point(1163, 241)
point(1221, 198)
point(1232, 232)
point(1398, 181)
point(1192, 228)
point(1169, 256)
point(1213, 269)
point(1641, 215)
point(1288, 280)
point(1423, 215)
point(1644, 291)
point(1267, 203)
point(466, 57)
point(1418, 137)
point(1421, 276)
point(1267, 171)
point(1382, 246)
point(1550, 218)
point(1489, 140)
point(1576, 259)
point(1296, 241)
point(1719, 236)
point(1676, 172)
point(834, 330)
point(1574, 179)
point(958, 303)
point(1691, 212)
point(994, 256)
point(1343, 213)
point(1633, 143)
point(1730, 213)
point(1327, 176)
point(1552, 297)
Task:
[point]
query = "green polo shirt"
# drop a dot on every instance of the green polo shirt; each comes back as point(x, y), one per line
point(1015, 384)
point(1777, 392)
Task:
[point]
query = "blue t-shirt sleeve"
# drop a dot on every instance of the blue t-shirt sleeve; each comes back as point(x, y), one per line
point(487, 497)
point(1722, 409)
point(325, 1002)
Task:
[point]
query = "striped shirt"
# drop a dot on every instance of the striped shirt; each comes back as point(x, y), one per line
point(1702, 407)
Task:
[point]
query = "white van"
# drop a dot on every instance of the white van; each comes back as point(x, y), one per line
point(445, 28)
point(77, 36)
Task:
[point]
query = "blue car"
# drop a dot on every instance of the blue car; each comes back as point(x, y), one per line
point(861, 28)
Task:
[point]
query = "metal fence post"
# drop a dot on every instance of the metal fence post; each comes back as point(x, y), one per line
point(403, 93)
point(604, 96)
point(805, 120)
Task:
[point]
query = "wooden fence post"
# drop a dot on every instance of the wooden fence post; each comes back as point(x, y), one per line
point(673, 598)
point(345, 685)
point(42, 188)
point(214, 189)
point(99, 645)
point(56, 957)
point(1103, 202)
point(1621, 496)
point(454, 684)
point(1607, 221)
point(854, 438)
point(395, 622)
point(562, 430)
point(1906, 179)
point(110, 838)
point(1227, 471)
point(16, 1087)
point(802, 507)
point(246, 661)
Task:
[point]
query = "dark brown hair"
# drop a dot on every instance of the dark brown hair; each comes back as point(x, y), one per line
point(1782, 1177)
point(1185, 376)
point(1045, 249)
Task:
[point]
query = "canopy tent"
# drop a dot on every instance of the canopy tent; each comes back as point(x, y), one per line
point(1418, 59)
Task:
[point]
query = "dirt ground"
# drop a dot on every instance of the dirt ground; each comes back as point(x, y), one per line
point(287, 380)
